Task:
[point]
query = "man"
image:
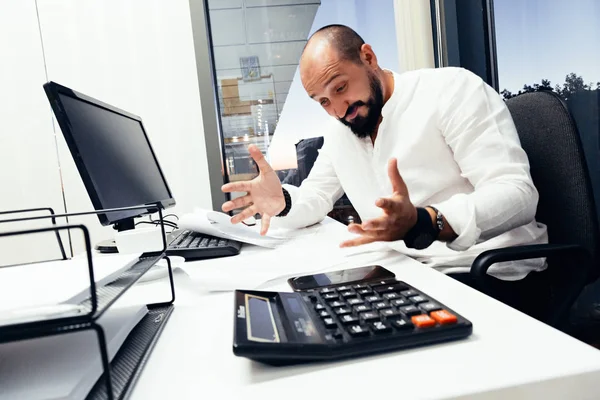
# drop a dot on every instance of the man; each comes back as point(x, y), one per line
point(430, 159)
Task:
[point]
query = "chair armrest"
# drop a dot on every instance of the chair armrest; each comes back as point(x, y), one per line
point(580, 268)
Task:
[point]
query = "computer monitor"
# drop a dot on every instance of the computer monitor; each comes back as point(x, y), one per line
point(113, 155)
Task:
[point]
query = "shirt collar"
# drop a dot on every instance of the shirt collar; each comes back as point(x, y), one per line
point(389, 106)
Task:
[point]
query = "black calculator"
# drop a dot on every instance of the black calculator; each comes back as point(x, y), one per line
point(340, 317)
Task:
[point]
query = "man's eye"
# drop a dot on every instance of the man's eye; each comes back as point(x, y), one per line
point(324, 102)
point(341, 88)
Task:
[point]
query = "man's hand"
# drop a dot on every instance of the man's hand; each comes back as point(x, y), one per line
point(264, 197)
point(399, 215)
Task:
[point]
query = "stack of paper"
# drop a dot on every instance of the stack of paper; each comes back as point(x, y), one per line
point(63, 366)
point(32, 291)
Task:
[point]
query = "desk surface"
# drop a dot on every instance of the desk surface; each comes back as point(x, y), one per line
point(508, 356)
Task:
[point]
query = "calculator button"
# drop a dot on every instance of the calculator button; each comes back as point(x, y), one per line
point(391, 296)
point(357, 330)
point(389, 313)
point(364, 291)
point(402, 324)
point(380, 327)
point(369, 316)
point(373, 299)
point(359, 286)
point(331, 296)
point(348, 293)
point(348, 319)
point(444, 317)
point(409, 293)
point(409, 311)
point(324, 314)
point(336, 304)
point(429, 306)
point(342, 311)
point(380, 305)
point(327, 291)
point(319, 307)
point(329, 323)
point(400, 302)
point(362, 307)
point(390, 288)
point(337, 335)
point(418, 299)
point(343, 288)
point(423, 321)
point(355, 302)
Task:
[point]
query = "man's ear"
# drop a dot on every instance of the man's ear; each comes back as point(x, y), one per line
point(368, 56)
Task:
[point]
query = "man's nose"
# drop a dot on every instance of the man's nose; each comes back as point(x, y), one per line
point(340, 109)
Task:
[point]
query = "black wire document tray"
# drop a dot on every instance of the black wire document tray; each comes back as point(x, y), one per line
point(119, 375)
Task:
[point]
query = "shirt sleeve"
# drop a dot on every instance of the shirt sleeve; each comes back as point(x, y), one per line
point(315, 196)
point(479, 129)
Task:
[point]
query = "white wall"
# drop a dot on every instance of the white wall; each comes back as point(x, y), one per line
point(137, 55)
point(29, 175)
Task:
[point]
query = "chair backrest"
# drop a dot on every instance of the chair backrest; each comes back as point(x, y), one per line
point(559, 171)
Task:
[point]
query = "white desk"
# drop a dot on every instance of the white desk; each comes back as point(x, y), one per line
point(508, 356)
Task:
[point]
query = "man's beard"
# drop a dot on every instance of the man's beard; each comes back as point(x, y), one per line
point(365, 126)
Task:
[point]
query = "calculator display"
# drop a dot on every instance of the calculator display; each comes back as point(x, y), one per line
point(260, 321)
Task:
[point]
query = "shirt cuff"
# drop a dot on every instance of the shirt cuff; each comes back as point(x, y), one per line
point(460, 214)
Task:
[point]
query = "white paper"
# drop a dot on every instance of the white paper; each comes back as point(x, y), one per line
point(62, 366)
point(218, 224)
point(29, 291)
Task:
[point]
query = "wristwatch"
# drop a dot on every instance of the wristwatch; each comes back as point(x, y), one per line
point(424, 232)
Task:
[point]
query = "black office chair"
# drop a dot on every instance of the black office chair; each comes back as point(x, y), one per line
point(566, 205)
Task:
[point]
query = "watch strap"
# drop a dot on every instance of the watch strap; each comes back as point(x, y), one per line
point(422, 228)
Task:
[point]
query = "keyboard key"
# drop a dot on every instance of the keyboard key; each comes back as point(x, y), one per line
point(329, 323)
point(409, 293)
point(444, 317)
point(342, 311)
point(336, 304)
point(348, 319)
point(390, 288)
point(369, 316)
point(402, 324)
point(373, 299)
point(409, 311)
point(327, 291)
point(380, 305)
point(391, 296)
point(355, 302)
point(400, 302)
point(390, 313)
point(380, 327)
point(364, 292)
point(359, 286)
point(348, 293)
point(331, 296)
point(337, 335)
point(319, 307)
point(343, 288)
point(423, 321)
point(357, 330)
point(324, 314)
point(361, 308)
point(429, 306)
point(418, 299)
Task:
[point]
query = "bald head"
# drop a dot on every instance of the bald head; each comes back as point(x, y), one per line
point(343, 41)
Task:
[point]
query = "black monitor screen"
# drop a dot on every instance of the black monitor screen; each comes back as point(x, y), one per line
point(114, 156)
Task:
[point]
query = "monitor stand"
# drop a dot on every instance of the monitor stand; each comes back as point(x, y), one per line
point(109, 245)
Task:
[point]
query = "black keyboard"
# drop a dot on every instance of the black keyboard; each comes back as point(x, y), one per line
point(196, 246)
point(340, 321)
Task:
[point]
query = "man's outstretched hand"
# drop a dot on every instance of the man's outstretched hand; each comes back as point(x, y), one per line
point(399, 215)
point(264, 195)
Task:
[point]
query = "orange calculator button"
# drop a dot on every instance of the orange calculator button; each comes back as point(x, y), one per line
point(444, 317)
point(423, 321)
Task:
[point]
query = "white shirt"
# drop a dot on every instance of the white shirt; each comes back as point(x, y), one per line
point(457, 150)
